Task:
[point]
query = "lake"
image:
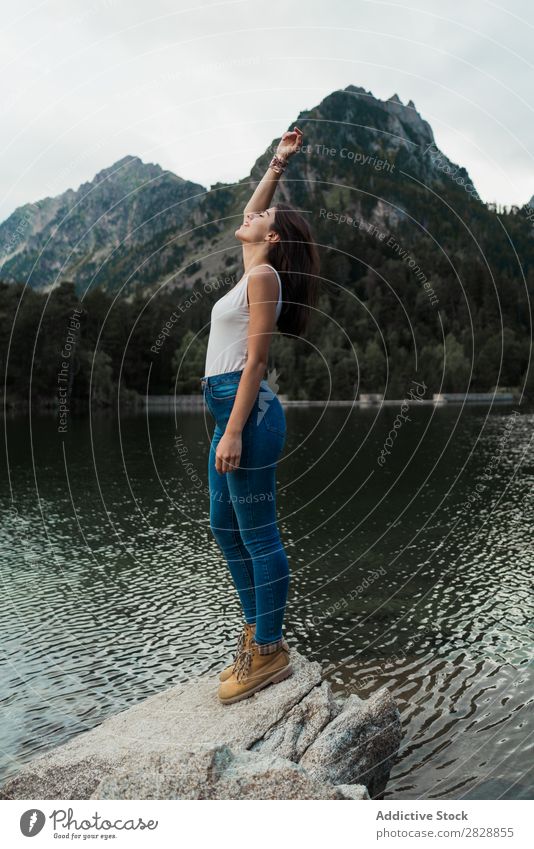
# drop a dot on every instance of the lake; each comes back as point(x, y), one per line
point(412, 573)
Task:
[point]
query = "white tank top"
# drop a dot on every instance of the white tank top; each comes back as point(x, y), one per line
point(228, 339)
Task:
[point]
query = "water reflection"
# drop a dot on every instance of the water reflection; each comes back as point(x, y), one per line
point(413, 575)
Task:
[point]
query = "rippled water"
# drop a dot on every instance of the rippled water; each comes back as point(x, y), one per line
point(114, 589)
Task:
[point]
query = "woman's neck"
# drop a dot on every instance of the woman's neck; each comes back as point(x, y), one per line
point(254, 255)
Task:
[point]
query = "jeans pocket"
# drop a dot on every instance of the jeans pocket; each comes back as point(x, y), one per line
point(224, 390)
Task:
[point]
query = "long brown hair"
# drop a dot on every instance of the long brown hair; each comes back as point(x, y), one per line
point(296, 259)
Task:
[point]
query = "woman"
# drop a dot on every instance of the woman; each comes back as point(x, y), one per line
point(279, 287)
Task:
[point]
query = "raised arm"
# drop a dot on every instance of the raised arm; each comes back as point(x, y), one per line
point(289, 144)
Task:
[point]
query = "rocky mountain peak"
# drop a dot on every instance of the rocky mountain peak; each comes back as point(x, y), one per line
point(128, 168)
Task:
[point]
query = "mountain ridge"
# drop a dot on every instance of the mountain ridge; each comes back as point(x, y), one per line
point(376, 160)
point(126, 202)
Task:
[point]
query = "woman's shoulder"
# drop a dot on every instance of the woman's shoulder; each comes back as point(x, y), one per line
point(264, 275)
point(262, 269)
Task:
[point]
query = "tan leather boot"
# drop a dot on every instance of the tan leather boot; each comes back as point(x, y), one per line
point(243, 643)
point(253, 671)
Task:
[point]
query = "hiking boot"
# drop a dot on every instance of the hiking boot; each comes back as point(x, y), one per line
point(243, 643)
point(252, 671)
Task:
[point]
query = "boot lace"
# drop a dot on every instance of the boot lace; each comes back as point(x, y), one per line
point(242, 664)
point(240, 644)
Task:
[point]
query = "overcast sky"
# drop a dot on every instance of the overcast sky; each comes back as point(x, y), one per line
point(202, 88)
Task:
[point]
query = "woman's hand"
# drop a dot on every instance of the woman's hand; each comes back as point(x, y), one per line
point(228, 452)
point(290, 143)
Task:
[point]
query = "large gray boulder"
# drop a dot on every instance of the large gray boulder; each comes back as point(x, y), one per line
point(219, 773)
point(358, 745)
point(292, 740)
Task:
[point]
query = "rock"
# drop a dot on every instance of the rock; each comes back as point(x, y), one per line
point(359, 745)
point(353, 791)
point(291, 740)
point(292, 735)
point(218, 773)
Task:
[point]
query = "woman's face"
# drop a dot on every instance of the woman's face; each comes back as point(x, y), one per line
point(256, 226)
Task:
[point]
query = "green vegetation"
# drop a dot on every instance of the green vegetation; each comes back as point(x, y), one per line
point(374, 315)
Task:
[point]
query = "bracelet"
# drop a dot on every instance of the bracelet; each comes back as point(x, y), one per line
point(278, 164)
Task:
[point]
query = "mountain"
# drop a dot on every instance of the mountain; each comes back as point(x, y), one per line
point(375, 163)
point(419, 278)
point(376, 160)
point(102, 231)
point(126, 227)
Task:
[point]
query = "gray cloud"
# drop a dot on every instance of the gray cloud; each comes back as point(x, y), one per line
point(202, 90)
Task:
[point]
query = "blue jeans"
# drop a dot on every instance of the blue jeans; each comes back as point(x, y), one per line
point(243, 504)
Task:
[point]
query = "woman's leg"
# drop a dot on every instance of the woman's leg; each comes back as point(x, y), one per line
point(252, 489)
point(225, 529)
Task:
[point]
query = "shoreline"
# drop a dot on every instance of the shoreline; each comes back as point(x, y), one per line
point(196, 402)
